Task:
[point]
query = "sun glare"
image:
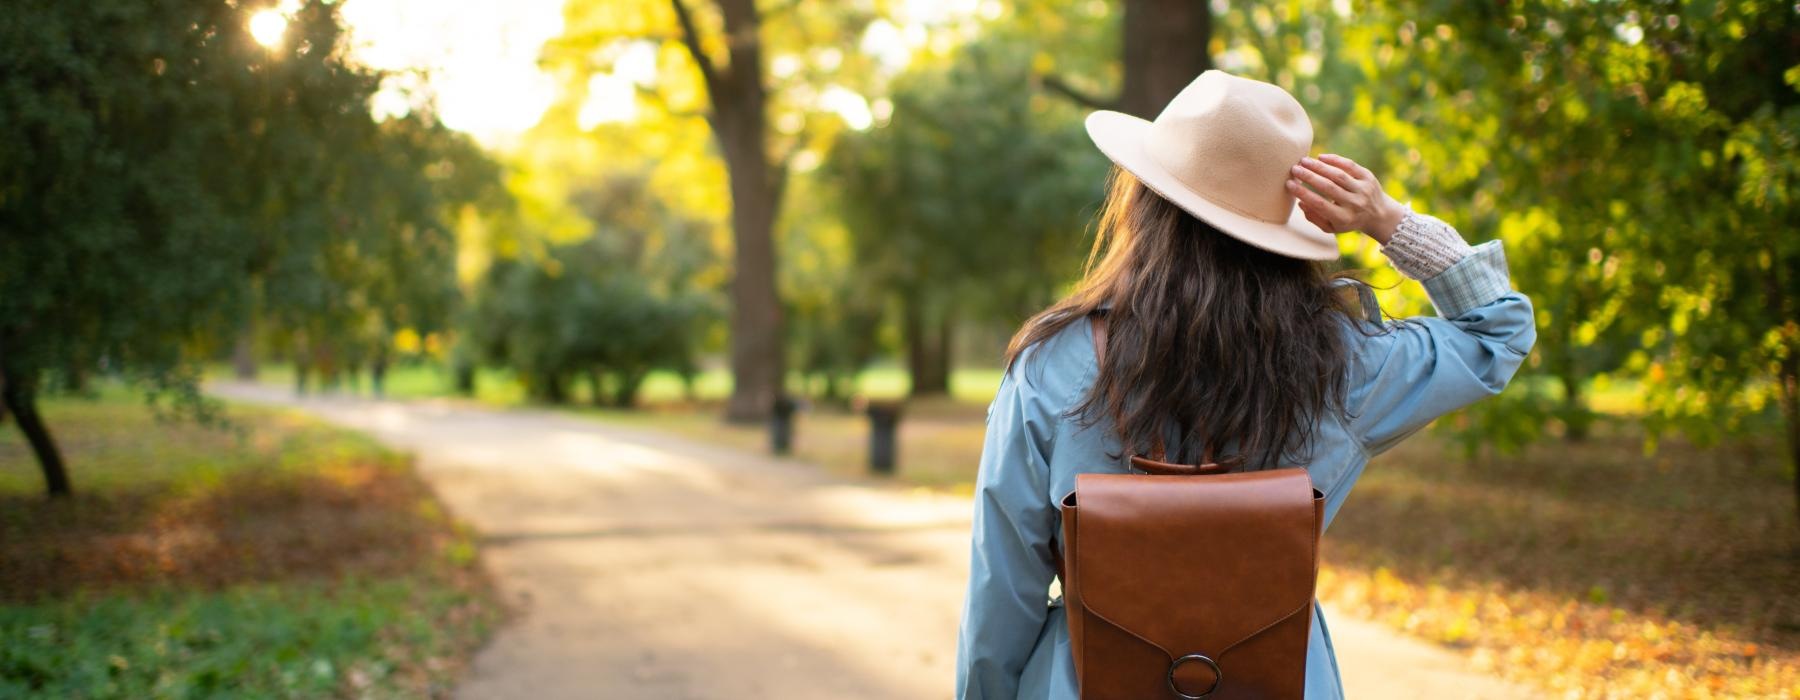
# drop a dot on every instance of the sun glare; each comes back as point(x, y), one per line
point(481, 57)
point(267, 27)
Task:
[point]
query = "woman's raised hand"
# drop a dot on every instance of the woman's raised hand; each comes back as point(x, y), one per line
point(1338, 195)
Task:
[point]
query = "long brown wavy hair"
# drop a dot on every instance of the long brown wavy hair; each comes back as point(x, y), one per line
point(1210, 339)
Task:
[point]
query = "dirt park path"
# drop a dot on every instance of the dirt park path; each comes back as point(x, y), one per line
point(648, 566)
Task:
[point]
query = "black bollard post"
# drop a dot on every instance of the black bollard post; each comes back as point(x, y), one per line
point(781, 426)
point(884, 423)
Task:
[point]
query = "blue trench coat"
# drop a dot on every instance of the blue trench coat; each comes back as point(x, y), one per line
point(1014, 640)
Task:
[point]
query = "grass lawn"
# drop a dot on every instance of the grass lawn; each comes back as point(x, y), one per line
point(500, 387)
point(281, 559)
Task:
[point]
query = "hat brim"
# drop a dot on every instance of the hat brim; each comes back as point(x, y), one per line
point(1121, 137)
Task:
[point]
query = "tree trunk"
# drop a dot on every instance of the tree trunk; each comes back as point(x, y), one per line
point(243, 356)
point(626, 390)
point(690, 391)
point(1790, 409)
point(551, 388)
point(596, 387)
point(325, 364)
point(302, 363)
point(378, 375)
point(739, 122)
point(1576, 419)
point(757, 364)
point(1165, 48)
point(927, 350)
point(463, 378)
point(21, 400)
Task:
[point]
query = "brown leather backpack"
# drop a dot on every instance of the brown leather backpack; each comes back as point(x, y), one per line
point(1189, 581)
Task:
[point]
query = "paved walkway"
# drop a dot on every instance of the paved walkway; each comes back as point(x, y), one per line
point(648, 566)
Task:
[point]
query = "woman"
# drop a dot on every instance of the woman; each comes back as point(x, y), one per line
point(1225, 329)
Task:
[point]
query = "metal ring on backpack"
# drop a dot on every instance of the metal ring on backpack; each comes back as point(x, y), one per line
point(1202, 658)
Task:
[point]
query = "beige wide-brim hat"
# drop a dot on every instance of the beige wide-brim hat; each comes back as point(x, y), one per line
point(1222, 150)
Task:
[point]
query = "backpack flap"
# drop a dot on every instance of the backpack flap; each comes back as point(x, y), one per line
point(1196, 565)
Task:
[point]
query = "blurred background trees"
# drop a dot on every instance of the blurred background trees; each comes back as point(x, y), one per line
point(970, 205)
point(1638, 158)
point(756, 119)
point(606, 310)
point(790, 193)
point(165, 178)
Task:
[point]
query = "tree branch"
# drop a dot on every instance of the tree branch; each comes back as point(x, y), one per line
point(690, 36)
point(1056, 84)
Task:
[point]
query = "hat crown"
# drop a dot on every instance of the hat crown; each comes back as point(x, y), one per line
point(1222, 150)
point(1232, 140)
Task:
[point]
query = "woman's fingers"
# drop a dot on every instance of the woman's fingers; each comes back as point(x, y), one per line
point(1338, 194)
point(1326, 186)
point(1323, 223)
point(1318, 209)
point(1332, 172)
point(1350, 166)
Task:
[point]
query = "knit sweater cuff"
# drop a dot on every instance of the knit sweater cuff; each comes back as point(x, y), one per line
point(1423, 246)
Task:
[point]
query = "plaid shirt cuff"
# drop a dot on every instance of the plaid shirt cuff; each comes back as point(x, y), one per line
point(1473, 282)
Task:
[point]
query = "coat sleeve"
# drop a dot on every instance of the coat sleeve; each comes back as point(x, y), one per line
point(1421, 368)
point(1010, 560)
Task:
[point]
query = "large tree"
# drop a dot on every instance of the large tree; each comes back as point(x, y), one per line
point(104, 212)
point(163, 177)
point(739, 119)
point(727, 45)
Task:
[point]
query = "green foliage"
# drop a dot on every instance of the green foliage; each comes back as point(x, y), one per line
point(1507, 422)
point(834, 312)
point(276, 640)
point(115, 241)
point(1638, 160)
point(383, 258)
point(164, 178)
point(812, 47)
point(625, 299)
point(587, 309)
point(763, 79)
point(973, 197)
